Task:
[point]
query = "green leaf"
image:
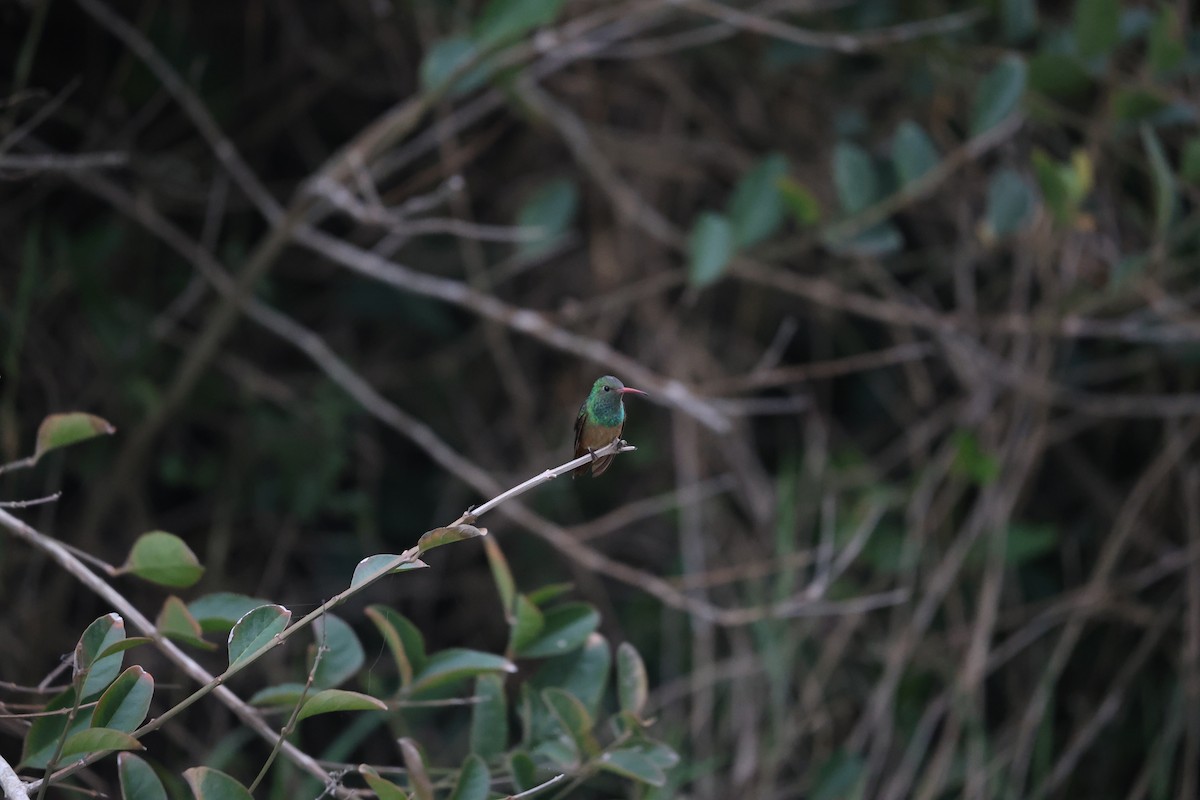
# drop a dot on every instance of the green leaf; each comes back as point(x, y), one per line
point(1029, 542)
point(584, 673)
point(800, 201)
point(61, 430)
point(1166, 49)
point(710, 248)
point(551, 591)
point(878, 240)
point(138, 781)
point(207, 783)
point(1010, 203)
point(550, 210)
point(527, 624)
point(45, 732)
point(564, 628)
point(124, 704)
point(1130, 104)
point(756, 208)
point(524, 771)
point(403, 638)
point(418, 777)
point(278, 696)
point(329, 700)
point(854, 177)
point(574, 718)
point(1019, 19)
point(632, 685)
point(1063, 186)
point(840, 777)
point(998, 94)
point(447, 56)
point(1189, 168)
point(489, 717)
point(219, 612)
point(383, 788)
point(123, 645)
point(1058, 75)
point(343, 654)
point(473, 780)
point(256, 632)
point(971, 461)
point(97, 671)
point(176, 622)
point(632, 762)
point(453, 533)
point(163, 558)
point(98, 740)
point(457, 664)
point(503, 21)
point(501, 574)
point(913, 153)
point(1097, 27)
point(372, 567)
point(1164, 181)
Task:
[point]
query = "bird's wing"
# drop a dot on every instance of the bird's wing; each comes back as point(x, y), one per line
point(579, 448)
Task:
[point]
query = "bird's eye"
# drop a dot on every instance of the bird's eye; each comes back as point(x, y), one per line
point(606, 388)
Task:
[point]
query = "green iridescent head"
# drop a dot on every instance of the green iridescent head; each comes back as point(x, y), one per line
point(604, 404)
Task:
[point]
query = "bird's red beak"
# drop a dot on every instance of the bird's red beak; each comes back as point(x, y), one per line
point(631, 390)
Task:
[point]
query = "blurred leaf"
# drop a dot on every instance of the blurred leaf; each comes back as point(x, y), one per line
point(403, 638)
point(1166, 49)
point(1058, 75)
point(138, 781)
point(971, 461)
point(1063, 186)
point(418, 777)
point(329, 700)
point(1164, 181)
point(710, 248)
point(383, 788)
point(278, 696)
point(219, 612)
point(501, 574)
point(457, 664)
point(756, 208)
point(632, 762)
point(489, 717)
point(502, 21)
point(473, 780)
point(373, 566)
point(528, 623)
point(584, 673)
point(800, 201)
point(855, 177)
point(544, 594)
point(841, 778)
point(453, 533)
point(98, 740)
point(444, 58)
point(998, 94)
point(574, 718)
point(124, 704)
point(176, 622)
point(632, 684)
point(551, 209)
point(256, 631)
point(61, 430)
point(44, 734)
point(1028, 542)
point(98, 671)
point(913, 153)
point(524, 772)
point(1136, 105)
point(207, 783)
point(564, 628)
point(1189, 168)
point(1097, 26)
point(1010, 203)
point(879, 240)
point(1019, 19)
point(163, 558)
point(343, 656)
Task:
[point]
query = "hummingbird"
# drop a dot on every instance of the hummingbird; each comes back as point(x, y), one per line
point(600, 420)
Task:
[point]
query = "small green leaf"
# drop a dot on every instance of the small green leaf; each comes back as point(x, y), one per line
point(1019, 19)
point(971, 461)
point(800, 201)
point(710, 248)
point(123, 645)
point(256, 632)
point(207, 783)
point(565, 628)
point(61, 430)
point(138, 781)
point(45, 732)
point(632, 762)
point(176, 622)
point(219, 612)
point(403, 638)
point(526, 626)
point(453, 533)
point(574, 718)
point(632, 685)
point(97, 671)
point(489, 717)
point(551, 591)
point(501, 574)
point(372, 567)
point(98, 740)
point(878, 240)
point(913, 153)
point(343, 654)
point(1028, 542)
point(549, 212)
point(855, 177)
point(447, 56)
point(124, 704)
point(1164, 181)
point(418, 776)
point(584, 672)
point(473, 780)
point(1166, 49)
point(1189, 168)
point(1058, 75)
point(998, 94)
point(756, 208)
point(383, 788)
point(524, 771)
point(1131, 104)
point(329, 700)
point(278, 696)
point(457, 664)
point(1010, 203)
point(1097, 27)
point(503, 21)
point(163, 558)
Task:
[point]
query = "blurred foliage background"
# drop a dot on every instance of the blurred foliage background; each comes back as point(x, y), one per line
point(914, 510)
